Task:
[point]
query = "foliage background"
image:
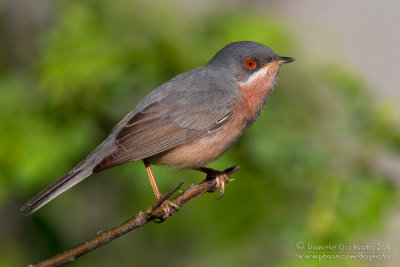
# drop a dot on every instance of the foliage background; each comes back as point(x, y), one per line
point(309, 165)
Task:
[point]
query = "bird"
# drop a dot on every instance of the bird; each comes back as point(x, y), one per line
point(187, 122)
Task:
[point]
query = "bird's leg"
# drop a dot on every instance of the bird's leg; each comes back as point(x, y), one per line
point(151, 178)
point(166, 205)
point(221, 178)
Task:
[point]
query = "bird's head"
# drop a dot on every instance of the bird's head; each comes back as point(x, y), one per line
point(253, 68)
point(248, 62)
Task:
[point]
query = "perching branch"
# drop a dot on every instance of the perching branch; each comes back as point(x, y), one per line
point(210, 184)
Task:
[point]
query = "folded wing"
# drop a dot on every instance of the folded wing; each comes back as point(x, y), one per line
point(171, 121)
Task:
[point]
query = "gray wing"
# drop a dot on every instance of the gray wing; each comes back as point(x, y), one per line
point(173, 120)
point(169, 116)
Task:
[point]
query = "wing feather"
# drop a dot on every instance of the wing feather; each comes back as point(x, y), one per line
point(168, 123)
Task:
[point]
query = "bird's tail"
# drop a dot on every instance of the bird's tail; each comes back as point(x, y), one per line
point(61, 185)
point(76, 175)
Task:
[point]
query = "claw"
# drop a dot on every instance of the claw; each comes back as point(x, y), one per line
point(219, 178)
point(169, 208)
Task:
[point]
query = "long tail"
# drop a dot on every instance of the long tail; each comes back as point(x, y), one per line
point(55, 189)
point(77, 174)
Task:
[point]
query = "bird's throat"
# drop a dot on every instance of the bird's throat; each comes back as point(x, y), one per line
point(256, 89)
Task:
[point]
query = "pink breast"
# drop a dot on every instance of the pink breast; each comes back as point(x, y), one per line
point(211, 146)
point(255, 92)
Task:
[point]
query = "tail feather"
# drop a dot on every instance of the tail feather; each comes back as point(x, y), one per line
point(55, 189)
point(76, 175)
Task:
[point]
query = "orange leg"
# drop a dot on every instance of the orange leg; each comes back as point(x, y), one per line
point(151, 178)
point(167, 204)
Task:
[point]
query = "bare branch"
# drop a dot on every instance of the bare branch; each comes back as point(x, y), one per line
point(210, 184)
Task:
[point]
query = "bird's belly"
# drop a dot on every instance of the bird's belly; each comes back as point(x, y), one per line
point(203, 149)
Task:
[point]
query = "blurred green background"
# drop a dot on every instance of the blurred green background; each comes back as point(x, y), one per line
point(70, 70)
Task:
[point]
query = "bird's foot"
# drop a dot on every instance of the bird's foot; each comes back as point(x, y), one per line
point(169, 208)
point(219, 178)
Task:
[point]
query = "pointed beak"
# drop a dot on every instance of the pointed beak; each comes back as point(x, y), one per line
point(283, 60)
point(279, 61)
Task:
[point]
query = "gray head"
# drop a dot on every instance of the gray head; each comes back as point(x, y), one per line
point(244, 58)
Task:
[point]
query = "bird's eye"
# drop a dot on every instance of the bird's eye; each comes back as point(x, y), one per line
point(250, 63)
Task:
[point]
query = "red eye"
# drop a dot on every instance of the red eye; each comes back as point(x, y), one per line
point(250, 63)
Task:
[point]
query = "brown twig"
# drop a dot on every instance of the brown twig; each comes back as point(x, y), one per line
point(210, 184)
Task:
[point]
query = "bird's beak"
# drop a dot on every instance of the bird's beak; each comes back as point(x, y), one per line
point(283, 60)
point(279, 61)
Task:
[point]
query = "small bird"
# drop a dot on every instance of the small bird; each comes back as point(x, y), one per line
point(187, 122)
